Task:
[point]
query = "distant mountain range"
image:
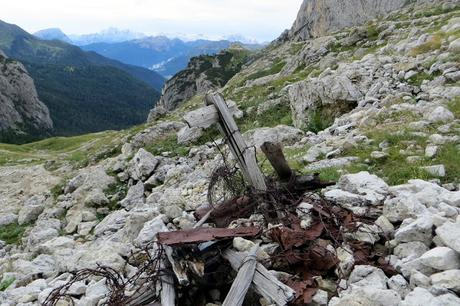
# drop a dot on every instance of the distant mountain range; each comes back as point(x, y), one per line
point(165, 55)
point(84, 91)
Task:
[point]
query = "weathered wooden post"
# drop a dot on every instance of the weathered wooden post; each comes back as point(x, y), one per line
point(219, 112)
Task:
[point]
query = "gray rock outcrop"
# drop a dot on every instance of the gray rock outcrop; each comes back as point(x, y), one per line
point(22, 114)
point(319, 17)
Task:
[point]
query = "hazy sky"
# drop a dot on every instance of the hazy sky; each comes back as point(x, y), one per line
point(260, 19)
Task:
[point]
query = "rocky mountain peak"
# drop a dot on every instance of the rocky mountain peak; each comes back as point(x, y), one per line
point(319, 17)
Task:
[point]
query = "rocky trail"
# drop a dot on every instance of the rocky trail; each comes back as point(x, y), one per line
point(373, 107)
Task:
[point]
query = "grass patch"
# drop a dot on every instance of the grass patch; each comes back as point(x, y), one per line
point(279, 114)
point(295, 48)
point(318, 121)
point(6, 283)
point(209, 135)
point(454, 107)
point(394, 169)
point(274, 69)
point(12, 233)
point(372, 32)
point(418, 78)
point(168, 144)
point(433, 43)
point(449, 156)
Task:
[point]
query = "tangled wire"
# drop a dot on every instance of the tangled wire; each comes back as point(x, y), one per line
point(148, 276)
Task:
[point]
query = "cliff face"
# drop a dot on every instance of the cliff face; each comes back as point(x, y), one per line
point(22, 115)
point(202, 74)
point(319, 17)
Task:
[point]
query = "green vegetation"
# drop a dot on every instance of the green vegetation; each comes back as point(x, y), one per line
point(91, 98)
point(319, 121)
point(12, 233)
point(433, 43)
point(454, 107)
point(372, 31)
point(295, 48)
point(277, 66)
point(449, 156)
point(279, 114)
point(394, 168)
point(6, 283)
point(79, 150)
point(418, 79)
point(168, 144)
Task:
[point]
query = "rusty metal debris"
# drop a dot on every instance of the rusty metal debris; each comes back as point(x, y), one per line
point(206, 234)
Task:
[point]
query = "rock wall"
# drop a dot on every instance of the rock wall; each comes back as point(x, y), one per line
point(22, 115)
point(319, 17)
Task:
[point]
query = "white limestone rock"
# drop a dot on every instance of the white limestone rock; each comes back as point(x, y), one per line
point(449, 279)
point(441, 258)
point(369, 277)
point(417, 230)
point(449, 233)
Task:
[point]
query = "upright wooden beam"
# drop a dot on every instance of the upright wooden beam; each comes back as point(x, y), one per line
point(276, 158)
point(244, 155)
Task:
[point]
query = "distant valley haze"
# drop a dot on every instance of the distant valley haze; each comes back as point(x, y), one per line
point(261, 20)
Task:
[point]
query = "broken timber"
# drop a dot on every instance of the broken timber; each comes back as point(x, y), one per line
point(206, 116)
point(198, 235)
point(264, 283)
point(218, 111)
point(243, 280)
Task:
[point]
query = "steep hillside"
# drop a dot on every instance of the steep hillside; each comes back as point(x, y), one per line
point(84, 91)
point(23, 117)
point(203, 73)
point(23, 46)
point(164, 55)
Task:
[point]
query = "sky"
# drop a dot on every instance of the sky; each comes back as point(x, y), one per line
point(263, 20)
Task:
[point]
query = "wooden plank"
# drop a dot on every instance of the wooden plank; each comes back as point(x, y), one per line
point(168, 294)
point(276, 158)
point(264, 283)
point(206, 116)
point(243, 154)
point(243, 280)
point(198, 235)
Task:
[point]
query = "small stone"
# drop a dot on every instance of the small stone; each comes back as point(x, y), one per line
point(418, 230)
point(368, 276)
point(399, 284)
point(431, 151)
point(449, 279)
point(379, 155)
point(439, 115)
point(411, 249)
point(436, 170)
point(441, 258)
point(418, 279)
point(449, 234)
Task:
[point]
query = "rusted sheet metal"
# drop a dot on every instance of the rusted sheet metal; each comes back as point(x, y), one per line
point(206, 234)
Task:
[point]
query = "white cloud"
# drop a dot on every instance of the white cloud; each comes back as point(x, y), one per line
point(263, 19)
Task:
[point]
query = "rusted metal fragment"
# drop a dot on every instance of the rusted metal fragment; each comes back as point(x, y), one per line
point(289, 238)
point(231, 210)
point(205, 234)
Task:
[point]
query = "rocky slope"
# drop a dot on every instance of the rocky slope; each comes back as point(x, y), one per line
point(375, 107)
point(23, 115)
